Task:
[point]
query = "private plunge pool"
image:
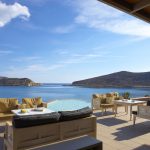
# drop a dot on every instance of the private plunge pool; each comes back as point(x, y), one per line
point(64, 105)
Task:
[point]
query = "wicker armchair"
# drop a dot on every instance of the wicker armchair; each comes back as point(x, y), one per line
point(6, 105)
point(104, 101)
point(142, 112)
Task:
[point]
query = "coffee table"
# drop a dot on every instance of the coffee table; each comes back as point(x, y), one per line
point(127, 102)
point(31, 111)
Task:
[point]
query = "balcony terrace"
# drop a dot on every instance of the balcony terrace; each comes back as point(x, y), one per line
point(116, 133)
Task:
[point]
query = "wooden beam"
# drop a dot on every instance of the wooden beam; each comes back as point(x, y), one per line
point(142, 15)
point(119, 4)
point(140, 5)
point(128, 8)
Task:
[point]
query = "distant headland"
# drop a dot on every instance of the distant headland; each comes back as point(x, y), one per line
point(5, 81)
point(117, 79)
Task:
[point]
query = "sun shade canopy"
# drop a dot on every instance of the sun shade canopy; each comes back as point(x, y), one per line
point(138, 8)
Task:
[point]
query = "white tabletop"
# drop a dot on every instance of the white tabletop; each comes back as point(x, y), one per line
point(31, 112)
point(128, 101)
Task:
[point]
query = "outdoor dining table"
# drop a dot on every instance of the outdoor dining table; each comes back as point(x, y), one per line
point(127, 102)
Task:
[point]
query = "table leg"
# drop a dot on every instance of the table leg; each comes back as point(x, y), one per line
point(127, 109)
point(130, 112)
point(115, 109)
point(102, 111)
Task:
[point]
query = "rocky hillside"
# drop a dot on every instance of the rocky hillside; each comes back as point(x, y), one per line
point(118, 79)
point(4, 81)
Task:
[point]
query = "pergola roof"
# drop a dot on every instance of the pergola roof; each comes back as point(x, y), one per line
point(138, 8)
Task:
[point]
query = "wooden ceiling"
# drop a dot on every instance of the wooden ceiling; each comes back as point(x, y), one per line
point(137, 8)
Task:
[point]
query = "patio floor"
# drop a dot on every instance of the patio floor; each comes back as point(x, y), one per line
point(120, 134)
point(117, 133)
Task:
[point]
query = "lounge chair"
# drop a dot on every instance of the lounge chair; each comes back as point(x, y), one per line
point(6, 105)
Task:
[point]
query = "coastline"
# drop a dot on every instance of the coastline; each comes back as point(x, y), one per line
point(98, 86)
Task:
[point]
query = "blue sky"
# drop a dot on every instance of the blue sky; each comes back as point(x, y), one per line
point(64, 41)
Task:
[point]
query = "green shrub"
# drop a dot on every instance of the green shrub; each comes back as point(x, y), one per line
point(126, 95)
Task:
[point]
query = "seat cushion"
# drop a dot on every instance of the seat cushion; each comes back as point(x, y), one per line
point(35, 120)
point(109, 94)
point(38, 101)
point(109, 100)
point(76, 114)
point(95, 95)
point(32, 101)
point(107, 105)
point(8, 104)
point(103, 100)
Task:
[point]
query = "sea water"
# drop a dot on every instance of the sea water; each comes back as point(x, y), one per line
point(65, 95)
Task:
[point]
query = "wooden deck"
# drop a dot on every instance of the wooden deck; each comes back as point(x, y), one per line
point(117, 133)
point(120, 134)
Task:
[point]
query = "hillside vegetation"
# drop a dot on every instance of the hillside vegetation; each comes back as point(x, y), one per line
point(4, 81)
point(118, 79)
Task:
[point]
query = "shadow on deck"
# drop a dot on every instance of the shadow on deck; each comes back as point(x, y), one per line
point(99, 114)
point(143, 147)
point(111, 121)
point(1, 143)
point(2, 128)
point(132, 131)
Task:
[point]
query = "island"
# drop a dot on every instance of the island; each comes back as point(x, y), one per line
point(117, 79)
point(5, 81)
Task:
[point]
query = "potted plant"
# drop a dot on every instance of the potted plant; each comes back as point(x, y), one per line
point(126, 95)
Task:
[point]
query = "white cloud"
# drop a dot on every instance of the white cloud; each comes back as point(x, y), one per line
point(30, 69)
point(84, 58)
point(26, 59)
point(97, 15)
point(63, 29)
point(5, 52)
point(41, 68)
point(62, 51)
point(9, 12)
point(36, 70)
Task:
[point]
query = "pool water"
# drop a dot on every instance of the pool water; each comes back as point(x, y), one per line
point(64, 105)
